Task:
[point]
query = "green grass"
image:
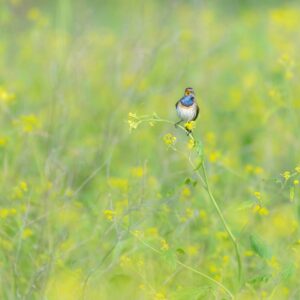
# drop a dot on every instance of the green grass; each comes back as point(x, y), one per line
point(90, 209)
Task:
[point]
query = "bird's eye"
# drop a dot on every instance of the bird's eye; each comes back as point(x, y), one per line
point(187, 92)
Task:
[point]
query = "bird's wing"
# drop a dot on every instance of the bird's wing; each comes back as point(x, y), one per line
point(197, 112)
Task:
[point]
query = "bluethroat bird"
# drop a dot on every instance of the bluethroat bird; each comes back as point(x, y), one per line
point(187, 107)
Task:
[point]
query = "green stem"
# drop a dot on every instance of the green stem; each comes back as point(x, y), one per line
point(207, 188)
point(226, 226)
point(189, 268)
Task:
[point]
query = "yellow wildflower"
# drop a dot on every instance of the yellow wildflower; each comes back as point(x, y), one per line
point(257, 195)
point(258, 170)
point(28, 123)
point(3, 141)
point(260, 210)
point(203, 215)
point(186, 192)
point(138, 233)
point(20, 190)
point(249, 168)
point(164, 245)
point(133, 121)
point(137, 172)
point(27, 232)
point(109, 214)
point(225, 259)
point(169, 139)
point(214, 156)
point(4, 212)
point(160, 296)
point(152, 231)
point(23, 186)
point(5, 96)
point(191, 144)
point(296, 182)
point(192, 250)
point(189, 213)
point(213, 268)
point(125, 261)
point(222, 235)
point(248, 253)
point(33, 14)
point(286, 175)
point(190, 125)
point(119, 183)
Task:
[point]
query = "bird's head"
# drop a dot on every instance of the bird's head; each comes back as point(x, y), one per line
point(189, 91)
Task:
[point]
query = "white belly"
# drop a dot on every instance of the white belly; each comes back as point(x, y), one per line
point(186, 113)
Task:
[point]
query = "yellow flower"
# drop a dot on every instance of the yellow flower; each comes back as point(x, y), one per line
point(248, 253)
point(192, 250)
point(125, 261)
point(169, 139)
point(258, 170)
point(260, 210)
point(213, 268)
point(20, 190)
point(5, 96)
point(137, 233)
point(249, 168)
point(27, 232)
point(152, 231)
point(23, 186)
point(4, 212)
point(190, 125)
point(297, 169)
point(191, 144)
point(33, 14)
point(109, 214)
point(186, 192)
point(203, 215)
point(164, 245)
point(160, 296)
point(28, 123)
point(296, 182)
point(137, 172)
point(257, 195)
point(189, 213)
point(133, 121)
point(286, 175)
point(119, 183)
point(3, 141)
point(214, 156)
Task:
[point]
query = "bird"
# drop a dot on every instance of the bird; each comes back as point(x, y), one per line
point(187, 107)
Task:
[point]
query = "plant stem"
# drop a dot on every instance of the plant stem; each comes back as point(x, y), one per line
point(226, 226)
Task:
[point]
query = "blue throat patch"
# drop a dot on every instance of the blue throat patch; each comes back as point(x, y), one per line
point(187, 100)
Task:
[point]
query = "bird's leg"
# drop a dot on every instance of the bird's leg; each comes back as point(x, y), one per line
point(188, 132)
point(177, 123)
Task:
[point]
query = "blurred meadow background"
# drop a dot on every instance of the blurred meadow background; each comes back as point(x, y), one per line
point(93, 209)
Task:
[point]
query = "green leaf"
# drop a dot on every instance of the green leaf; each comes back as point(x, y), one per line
point(262, 278)
point(189, 181)
point(180, 252)
point(259, 247)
